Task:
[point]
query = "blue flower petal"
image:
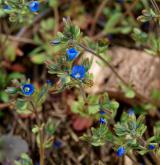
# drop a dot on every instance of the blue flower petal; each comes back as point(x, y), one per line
point(120, 151)
point(131, 112)
point(72, 53)
point(78, 72)
point(102, 120)
point(27, 89)
point(102, 112)
point(49, 82)
point(57, 144)
point(34, 6)
point(7, 7)
point(151, 147)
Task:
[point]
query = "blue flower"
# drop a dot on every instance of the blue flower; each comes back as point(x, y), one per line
point(102, 112)
point(102, 120)
point(34, 6)
point(78, 72)
point(6, 7)
point(120, 151)
point(57, 144)
point(27, 89)
point(72, 53)
point(131, 112)
point(151, 147)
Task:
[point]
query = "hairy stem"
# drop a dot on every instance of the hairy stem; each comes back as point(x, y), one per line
point(41, 138)
point(115, 72)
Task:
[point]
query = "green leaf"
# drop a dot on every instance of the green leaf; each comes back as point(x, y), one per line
point(10, 52)
point(147, 16)
point(50, 127)
point(11, 90)
point(93, 102)
point(139, 36)
point(111, 23)
point(21, 104)
point(47, 25)
point(114, 105)
point(142, 152)
point(48, 143)
point(155, 94)
point(99, 136)
point(142, 130)
point(23, 107)
point(4, 96)
point(129, 93)
point(35, 129)
point(120, 129)
point(15, 75)
point(40, 95)
point(143, 18)
point(38, 58)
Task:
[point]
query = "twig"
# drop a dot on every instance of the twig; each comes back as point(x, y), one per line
point(99, 11)
point(155, 6)
point(37, 19)
point(24, 30)
point(17, 39)
point(131, 7)
point(56, 15)
point(115, 72)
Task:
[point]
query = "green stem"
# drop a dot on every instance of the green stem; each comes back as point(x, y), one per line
point(98, 13)
point(83, 94)
point(41, 145)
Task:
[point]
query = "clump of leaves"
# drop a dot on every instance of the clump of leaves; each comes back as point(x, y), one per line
point(4, 81)
point(93, 104)
point(147, 15)
point(28, 100)
point(17, 10)
point(99, 136)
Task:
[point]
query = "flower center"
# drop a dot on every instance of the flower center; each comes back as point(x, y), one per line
point(27, 89)
point(77, 75)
